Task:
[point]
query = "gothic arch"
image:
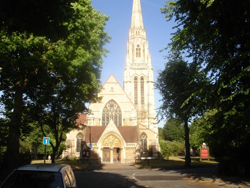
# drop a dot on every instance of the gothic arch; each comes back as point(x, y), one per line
point(111, 141)
point(79, 139)
point(143, 141)
point(111, 111)
point(111, 136)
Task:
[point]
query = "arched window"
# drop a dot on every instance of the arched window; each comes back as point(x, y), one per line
point(112, 111)
point(79, 139)
point(142, 90)
point(143, 139)
point(136, 90)
point(138, 51)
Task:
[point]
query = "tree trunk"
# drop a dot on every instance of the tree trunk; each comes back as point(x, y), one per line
point(187, 145)
point(53, 157)
point(12, 153)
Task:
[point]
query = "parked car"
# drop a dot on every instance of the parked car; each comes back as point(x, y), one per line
point(41, 176)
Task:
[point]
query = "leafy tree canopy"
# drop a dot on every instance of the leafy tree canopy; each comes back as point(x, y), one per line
point(176, 84)
point(48, 50)
point(173, 130)
point(215, 35)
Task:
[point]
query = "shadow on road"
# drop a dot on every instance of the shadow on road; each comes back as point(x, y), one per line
point(104, 180)
point(208, 174)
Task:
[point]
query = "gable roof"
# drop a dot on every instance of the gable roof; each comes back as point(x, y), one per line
point(129, 133)
point(111, 82)
point(95, 132)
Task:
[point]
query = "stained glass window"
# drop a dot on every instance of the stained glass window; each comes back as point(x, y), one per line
point(112, 111)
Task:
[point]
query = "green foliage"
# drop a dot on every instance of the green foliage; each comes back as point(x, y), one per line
point(164, 149)
point(161, 134)
point(50, 64)
point(176, 83)
point(200, 129)
point(197, 132)
point(171, 148)
point(3, 135)
point(173, 130)
point(208, 36)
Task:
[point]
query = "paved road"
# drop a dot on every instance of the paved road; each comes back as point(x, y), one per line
point(124, 176)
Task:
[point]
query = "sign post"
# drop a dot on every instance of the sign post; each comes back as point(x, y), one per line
point(46, 141)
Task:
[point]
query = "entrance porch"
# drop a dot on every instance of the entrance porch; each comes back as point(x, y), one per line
point(111, 155)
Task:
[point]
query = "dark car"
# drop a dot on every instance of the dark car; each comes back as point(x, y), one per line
point(41, 176)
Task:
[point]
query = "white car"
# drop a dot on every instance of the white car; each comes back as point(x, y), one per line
point(41, 176)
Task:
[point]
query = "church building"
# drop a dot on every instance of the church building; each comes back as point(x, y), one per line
point(122, 127)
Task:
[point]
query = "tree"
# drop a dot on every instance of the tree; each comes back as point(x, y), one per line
point(219, 44)
point(176, 83)
point(3, 135)
point(161, 134)
point(173, 130)
point(200, 129)
point(196, 134)
point(46, 48)
point(57, 118)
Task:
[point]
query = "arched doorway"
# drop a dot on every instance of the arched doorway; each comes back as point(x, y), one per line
point(106, 154)
point(116, 155)
point(111, 151)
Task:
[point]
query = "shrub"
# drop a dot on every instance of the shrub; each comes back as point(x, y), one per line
point(171, 148)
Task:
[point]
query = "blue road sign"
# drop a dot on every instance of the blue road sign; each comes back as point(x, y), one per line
point(46, 140)
point(90, 145)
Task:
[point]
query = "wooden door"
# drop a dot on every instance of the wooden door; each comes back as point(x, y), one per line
point(106, 155)
point(116, 154)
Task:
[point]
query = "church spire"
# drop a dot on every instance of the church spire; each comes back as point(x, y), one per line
point(136, 20)
point(138, 73)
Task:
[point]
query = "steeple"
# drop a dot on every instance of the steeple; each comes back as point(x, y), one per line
point(137, 29)
point(138, 80)
point(136, 20)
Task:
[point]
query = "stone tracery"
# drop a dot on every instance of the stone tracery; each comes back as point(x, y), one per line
point(111, 141)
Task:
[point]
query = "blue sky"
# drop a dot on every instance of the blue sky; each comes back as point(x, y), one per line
point(157, 29)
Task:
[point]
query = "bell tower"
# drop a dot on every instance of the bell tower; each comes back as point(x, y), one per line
point(138, 72)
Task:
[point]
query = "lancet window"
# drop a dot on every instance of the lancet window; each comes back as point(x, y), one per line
point(112, 111)
point(138, 51)
point(142, 90)
point(136, 90)
point(143, 139)
point(79, 139)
